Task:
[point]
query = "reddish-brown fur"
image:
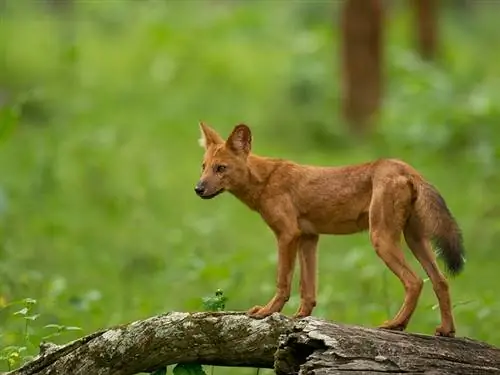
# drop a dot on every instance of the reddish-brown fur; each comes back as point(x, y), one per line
point(299, 202)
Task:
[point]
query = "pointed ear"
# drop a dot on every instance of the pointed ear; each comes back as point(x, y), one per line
point(208, 136)
point(240, 140)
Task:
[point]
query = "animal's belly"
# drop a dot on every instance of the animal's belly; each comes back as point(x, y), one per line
point(333, 226)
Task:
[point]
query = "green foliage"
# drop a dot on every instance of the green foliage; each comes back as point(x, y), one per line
point(215, 303)
point(27, 339)
point(188, 369)
point(13, 355)
point(98, 219)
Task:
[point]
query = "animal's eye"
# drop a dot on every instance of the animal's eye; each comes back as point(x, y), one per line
point(203, 167)
point(221, 168)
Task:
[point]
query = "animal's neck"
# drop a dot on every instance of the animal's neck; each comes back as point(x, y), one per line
point(259, 171)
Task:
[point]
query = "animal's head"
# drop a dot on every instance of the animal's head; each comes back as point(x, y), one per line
point(225, 161)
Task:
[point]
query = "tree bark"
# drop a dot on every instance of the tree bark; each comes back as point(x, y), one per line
point(426, 27)
point(307, 346)
point(317, 347)
point(362, 26)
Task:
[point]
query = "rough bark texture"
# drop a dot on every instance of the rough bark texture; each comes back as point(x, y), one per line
point(307, 346)
point(318, 347)
point(362, 26)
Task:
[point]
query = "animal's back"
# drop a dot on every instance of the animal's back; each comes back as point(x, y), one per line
point(336, 200)
point(328, 200)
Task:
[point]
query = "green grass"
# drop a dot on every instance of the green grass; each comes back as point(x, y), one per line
point(99, 221)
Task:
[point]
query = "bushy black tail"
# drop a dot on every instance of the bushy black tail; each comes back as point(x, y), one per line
point(441, 227)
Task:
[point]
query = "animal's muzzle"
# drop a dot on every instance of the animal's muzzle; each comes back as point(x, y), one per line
point(200, 188)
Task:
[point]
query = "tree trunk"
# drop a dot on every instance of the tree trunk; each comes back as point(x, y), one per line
point(426, 27)
point(362, 62)
point(307, 346)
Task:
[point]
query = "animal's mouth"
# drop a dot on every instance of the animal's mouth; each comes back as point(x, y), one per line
point(212, 195)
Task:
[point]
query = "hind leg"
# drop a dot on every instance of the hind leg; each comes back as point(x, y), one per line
point(421, 248)
point(389, 210)
point(389, 250)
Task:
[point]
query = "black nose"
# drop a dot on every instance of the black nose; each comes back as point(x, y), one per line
point(199, 188)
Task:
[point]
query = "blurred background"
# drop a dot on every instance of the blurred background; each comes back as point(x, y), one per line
point(99, 109)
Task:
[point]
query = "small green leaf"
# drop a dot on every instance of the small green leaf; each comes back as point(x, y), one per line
point(10, 348)
point(56, 326)
point(71, 328)
point(189, 369)
point(29, 301)
point(23, 311)
point(13, 359)
point(32, 317)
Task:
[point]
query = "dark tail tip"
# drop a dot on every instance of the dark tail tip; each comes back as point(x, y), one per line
point(451, 251)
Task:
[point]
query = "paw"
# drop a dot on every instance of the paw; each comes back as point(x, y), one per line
point(259, 312)
point(393, 325)
point(445, 332)
point(254, 309)
point(302, 313)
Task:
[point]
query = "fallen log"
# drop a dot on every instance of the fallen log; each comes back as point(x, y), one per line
point(308, 346)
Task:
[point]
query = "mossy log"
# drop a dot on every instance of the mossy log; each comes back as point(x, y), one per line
point(305, 346)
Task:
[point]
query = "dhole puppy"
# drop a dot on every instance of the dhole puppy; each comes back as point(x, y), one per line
point(387, 197)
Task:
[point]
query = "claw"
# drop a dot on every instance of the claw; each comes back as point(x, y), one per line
point(440, 331)
point(392, 326)
point(259, 312)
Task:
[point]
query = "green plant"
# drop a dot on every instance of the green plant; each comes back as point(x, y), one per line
point(16, 355)
point(188, 369)
point(216, 302)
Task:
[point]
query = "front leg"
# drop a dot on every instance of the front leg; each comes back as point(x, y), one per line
point(287, 253)
point(307, 255)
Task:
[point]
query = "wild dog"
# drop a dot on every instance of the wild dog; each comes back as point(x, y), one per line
point(387, 197)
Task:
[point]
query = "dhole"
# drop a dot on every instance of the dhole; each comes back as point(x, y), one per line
point(299, 202)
